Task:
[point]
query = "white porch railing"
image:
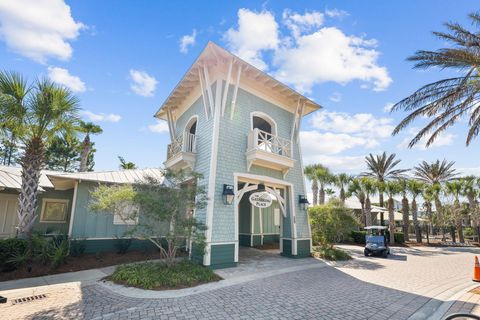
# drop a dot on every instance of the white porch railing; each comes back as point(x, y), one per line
point(182, 143)
point(262, 140)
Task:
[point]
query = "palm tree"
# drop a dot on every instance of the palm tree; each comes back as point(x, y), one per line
point(324, 177)
point(369, 187)
point(382, 168)
point(87, 128)
point(403, 183)
point(341, 181)
point(428, 197)
point(415, 188)
point(455, 189)
point(470, 191)
point(355, 188)
point(310, 174)
point(41, 111)
point(124, 165)
point(435, 172)
point(392, 188)
point(447, 100)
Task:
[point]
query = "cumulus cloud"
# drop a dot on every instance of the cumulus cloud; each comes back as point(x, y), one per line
point(38, 29)
point(143, 84)
point(335, 97)
point(159, 127)
point(443, 139)
point(388, 107)
point(311, 53)
point(360, 124)
point(63, 77)
point(333, 143)
point(337, 163)
point(336, 13)
point(101, 117)
point(256, 32)
point(187, 41)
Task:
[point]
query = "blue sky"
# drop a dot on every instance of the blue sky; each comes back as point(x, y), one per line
point(123, 59)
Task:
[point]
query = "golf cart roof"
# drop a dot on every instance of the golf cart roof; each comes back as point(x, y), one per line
point(375, 228)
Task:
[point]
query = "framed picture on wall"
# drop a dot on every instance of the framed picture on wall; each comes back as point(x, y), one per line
point(54, 211)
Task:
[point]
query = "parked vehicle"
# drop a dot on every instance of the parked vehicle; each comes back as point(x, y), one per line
point(376, 241)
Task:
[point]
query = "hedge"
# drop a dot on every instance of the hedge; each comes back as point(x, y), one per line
point(8, 249)
point(359, 237)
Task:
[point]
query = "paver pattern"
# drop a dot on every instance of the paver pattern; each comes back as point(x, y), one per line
point(366, 288)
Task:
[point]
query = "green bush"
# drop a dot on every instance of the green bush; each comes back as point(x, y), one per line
point(10, 248)
point(60, 253)
point(154, 275)
point(331, 223)
point(398, 236)
point(331, 254)
point(469, 232)
point(358, 236)
point(77, 247)
point(122, 245)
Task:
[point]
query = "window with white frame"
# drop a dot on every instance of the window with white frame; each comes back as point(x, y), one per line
point(126, 214)
point(54, 211)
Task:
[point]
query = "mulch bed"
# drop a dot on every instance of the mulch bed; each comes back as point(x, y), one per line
point(83, 262)
point(270, 246)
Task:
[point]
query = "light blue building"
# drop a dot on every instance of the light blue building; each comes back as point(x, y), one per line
point(239, 127)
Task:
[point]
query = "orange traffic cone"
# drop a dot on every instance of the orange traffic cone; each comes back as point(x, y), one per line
point(476, 270)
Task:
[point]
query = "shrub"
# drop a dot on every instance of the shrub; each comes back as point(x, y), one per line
point(468, 232)
point(10, 248)
point(60, 253)
point(77, 247)
point(358, 236)
point(398, 236)
point(154, 275)
point(331, 254)
point(331, 223)
point(122, 245)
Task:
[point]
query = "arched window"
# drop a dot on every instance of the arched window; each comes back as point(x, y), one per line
point(263, 122)
point(189, 136)
point(191, 126)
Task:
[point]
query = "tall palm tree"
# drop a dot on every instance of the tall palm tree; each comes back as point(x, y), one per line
point(324, 178)
point(41, 111)
point(341, 181)
point(455, 189)
point(369, 187)
point(392, 188)
point(355, 188)
point(415, 188)
point(447, 100)
point(435, 172)
point(403, 183)
point(428, 197)
point(126, 165)
point(470, 191)
point(383, 167)
point(87, 128)
point(310, 174)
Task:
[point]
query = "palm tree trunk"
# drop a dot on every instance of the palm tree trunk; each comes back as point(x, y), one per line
point(321, 194)
point(391, 220)
point(406, 218)
point(368, 212)
point(32, 162)
point(418, 231)
point(86, 147)
point(363, 217)
point(460, 230)
point(342, 195)
point(380, 199)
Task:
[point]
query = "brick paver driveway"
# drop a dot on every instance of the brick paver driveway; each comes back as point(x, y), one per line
point(364, 288)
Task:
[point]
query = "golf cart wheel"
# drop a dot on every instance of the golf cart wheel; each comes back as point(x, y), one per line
point(365, 252)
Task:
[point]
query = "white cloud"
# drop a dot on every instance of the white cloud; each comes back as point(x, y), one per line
point(143, 83)
point(63, 77)
point(337, 163)
point(333, 143)
point(443, 139)
point(330, 55)
point(101, 117)
point(388, 107)
point(311, 54)
point(159, 127)
point(38, 29)
point(360, 124)
point(256, 33)
point(335, 97)
point(187, 41)
point(336, 13)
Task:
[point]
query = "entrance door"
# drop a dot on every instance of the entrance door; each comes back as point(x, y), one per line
point(8, 215)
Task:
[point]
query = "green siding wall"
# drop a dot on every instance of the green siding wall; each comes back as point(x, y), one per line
point(222, 256)
point(245, 240)
point(271, 238)
point(110, 245)
point(287, 247)
point(303, 248)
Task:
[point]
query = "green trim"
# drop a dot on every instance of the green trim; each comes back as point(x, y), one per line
point(244, 240)
point(257, 240)
point(222, 256)
point(271, 238)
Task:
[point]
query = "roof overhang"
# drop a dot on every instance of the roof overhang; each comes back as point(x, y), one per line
point(251, 78)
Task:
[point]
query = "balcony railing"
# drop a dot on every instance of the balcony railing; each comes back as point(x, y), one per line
point(262, 140)
point(182, 143)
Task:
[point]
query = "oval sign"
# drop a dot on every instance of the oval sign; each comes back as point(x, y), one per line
point(260, 199)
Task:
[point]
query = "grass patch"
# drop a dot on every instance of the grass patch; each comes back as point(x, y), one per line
point(331, 254)
point(158, 276)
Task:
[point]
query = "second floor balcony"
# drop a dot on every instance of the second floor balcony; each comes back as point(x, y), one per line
point(268, 150)
point(182, 152)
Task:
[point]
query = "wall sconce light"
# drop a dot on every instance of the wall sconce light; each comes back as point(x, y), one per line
point(303, 202)
point(228, 194)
